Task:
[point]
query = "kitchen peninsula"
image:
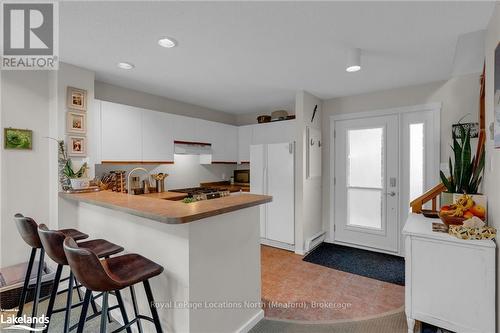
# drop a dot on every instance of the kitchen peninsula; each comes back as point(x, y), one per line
point(210, 251)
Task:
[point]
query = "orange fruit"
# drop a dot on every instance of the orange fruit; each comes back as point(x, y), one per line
point(478, 211)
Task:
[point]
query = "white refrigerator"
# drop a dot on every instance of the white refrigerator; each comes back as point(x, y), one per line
point(272, 173)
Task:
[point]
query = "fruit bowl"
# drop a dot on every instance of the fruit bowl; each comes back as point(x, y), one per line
point(452, 220)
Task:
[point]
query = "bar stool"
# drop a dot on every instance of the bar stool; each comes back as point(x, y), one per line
point(27, 228)
point(52, 241)
point(112, 274)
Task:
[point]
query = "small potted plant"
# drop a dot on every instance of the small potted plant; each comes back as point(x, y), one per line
point(78, 179)
point(466, 174)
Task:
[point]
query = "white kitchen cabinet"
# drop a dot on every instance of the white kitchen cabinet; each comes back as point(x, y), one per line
point(229, 143)
point(184, 128)
point(157, 137)
point(121, 132)
point(274, 132)
point(450, 282)
point(244, 142)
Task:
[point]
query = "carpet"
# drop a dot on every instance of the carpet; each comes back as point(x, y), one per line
point(394, 323)
point(379, 266)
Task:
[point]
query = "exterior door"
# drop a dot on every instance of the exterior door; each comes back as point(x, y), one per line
point(366, 182)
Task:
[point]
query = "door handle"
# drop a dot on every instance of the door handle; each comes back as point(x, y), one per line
point(392, 193)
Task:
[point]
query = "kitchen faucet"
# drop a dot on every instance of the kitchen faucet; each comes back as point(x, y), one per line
point(131, 172)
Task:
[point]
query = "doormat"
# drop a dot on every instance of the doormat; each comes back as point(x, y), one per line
point(379, 266)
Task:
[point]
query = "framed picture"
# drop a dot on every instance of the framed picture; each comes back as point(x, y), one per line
point(496, 102)
point(15, 138)
point(76, 122)
point(472, 127)
point(77, 99)
point(77, 146)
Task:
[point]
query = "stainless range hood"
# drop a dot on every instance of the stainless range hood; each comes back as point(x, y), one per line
point(203, 149)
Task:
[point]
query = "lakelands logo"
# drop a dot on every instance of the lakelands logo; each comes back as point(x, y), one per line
point(24, 323)
point(29, 35)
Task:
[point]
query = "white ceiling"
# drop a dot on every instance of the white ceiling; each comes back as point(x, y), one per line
point(242, 57)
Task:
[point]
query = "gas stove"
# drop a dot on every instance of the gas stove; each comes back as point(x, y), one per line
point(203, 193)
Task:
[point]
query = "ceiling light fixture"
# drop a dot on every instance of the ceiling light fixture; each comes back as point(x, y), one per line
point(353, 60)
point(125, 65)
point(167, 42)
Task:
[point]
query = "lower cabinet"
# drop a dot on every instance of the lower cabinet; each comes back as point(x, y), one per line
point(450, 282)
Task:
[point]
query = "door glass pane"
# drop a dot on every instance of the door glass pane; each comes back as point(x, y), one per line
point(365, 149)
point(364, 207)
point(416, 160)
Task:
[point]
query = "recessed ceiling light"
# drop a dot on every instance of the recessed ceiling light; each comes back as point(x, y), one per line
point(167, 42)
point(354, 68)
point(125, 65)
point(353, 60)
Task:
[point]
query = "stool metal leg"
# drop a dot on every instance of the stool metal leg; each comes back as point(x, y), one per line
point(80, 297)
point(104, 311)
point(136, 311)
point(26, 283)
point(122, 309)
point(53, 295)
point(69, 302)
point(38, 286)
point(83, 314)
point(152, 306)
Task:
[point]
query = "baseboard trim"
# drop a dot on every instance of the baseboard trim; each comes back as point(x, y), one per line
point(252, 322)
point(281, 245)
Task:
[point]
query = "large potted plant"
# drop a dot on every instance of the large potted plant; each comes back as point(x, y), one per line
point(466, 171)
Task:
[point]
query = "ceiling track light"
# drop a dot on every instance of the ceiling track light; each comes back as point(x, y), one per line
point(353, 60)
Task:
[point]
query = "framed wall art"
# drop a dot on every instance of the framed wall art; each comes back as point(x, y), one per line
point(496, 102)
point(76, 122)
point(77, 99)
point(77, 146)
point(15, 138)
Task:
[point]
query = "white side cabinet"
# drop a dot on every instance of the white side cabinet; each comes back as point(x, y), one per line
point(244, 142)
point(450, 282)
point(274, 132)
point(121, 132)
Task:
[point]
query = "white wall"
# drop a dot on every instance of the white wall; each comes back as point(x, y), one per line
point(459, 96)
point(25, 103)
point(185, 172)
point(308, 220)
point(492, 172)
point(112, 93)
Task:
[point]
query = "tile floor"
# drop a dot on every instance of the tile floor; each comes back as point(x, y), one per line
point(297, 290)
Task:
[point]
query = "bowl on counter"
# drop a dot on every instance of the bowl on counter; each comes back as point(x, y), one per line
point(263, 119)
point(452, 220)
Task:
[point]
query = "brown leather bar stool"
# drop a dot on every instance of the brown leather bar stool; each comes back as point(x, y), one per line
point(112, 274)
point(52, 241)
point(27, 228)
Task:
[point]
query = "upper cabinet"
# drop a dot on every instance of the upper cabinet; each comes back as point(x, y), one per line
point(244, 142)
point(274, 132)
point(139, 135)
point(121, 132)
point(157, 137)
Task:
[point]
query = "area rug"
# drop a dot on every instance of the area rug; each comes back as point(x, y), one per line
point(379, 266)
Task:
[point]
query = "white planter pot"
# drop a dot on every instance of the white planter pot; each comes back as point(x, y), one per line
point(79, 183)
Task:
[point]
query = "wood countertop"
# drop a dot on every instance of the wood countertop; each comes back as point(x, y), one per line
point(167, 211)
point(165, 195)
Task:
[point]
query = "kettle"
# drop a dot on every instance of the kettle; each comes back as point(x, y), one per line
point(159, 178)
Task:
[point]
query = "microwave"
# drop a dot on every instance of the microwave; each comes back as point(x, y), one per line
point(242, 176)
